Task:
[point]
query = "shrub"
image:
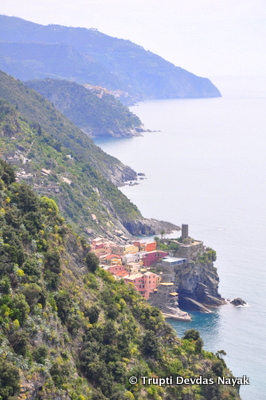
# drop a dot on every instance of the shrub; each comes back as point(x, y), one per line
point(20, 308)
point(64, 303)
point(19, 341)
point(191, 334)
point(52, 269)
point(92, 262)
point(32, 269)
point(9, 380)
point(33, 293)
point(93, 314)
point(5, 285)
point(150, 345)
point(40, 354)
point(7, 173)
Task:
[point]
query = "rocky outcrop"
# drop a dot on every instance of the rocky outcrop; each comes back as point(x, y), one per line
point(166, 299)
point(120, 173)
point(238, 302)
point(149, 227)
point(198, 282)
point(194, 305)
point(29, 388)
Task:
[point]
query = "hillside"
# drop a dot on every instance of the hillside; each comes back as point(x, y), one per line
point(113, 63)
point(70, 331)
point(37, 109)
point(96, 115)
point(58, 159)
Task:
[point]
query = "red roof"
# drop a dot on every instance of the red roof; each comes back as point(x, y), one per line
point(112, 256)
point(121, 273)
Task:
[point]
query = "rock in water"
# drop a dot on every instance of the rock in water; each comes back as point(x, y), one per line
point(238, 302)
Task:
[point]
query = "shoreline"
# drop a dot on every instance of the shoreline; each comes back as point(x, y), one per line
point(186, 317)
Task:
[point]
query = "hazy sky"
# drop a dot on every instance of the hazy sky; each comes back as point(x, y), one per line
point(207, 37)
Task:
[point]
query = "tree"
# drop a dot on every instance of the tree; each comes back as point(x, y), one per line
point(93, 314)
point(19, 341)
point(92, 262)
point(40, 354)
point(9, 380)
point(191, 334)
point(199, 345)
point(33, 294)
point(150, 345)
point(7, 173)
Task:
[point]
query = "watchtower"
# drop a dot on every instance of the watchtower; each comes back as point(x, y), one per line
point(184, 234)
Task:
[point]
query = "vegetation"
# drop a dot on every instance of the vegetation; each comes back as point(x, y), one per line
point(209, 256)
point(58, 337)
point(78, 188)
point(60, 131)
point(97, 116)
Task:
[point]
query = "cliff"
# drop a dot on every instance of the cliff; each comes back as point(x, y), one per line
point(195, 277)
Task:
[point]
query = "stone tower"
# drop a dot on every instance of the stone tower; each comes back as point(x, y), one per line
point(184, 234)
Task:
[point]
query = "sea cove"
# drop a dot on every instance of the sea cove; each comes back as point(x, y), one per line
point(205, 166)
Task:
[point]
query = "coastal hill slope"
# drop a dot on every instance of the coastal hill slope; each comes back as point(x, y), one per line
point(36, 108)
point(95, 58)
point(97, 114)
point(69, 331)
point(60, 160)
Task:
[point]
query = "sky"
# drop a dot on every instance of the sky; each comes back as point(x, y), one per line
point(211, 38)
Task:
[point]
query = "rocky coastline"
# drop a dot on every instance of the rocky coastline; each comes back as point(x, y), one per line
point(189, 280)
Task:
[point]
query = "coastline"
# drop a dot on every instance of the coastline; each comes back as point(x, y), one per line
point(185, 317)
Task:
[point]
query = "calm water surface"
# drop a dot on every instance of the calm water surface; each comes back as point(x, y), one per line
point(205, 166)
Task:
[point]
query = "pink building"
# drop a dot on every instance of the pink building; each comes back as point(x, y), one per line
point(116, 268)
point(153, 257)
point(145, 284)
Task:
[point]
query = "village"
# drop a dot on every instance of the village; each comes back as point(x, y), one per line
point(149, 269)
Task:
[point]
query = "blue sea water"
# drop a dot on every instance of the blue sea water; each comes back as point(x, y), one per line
point(205, 166)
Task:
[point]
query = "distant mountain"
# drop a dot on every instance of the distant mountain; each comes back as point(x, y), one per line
point(57, 51)
point(59, 60)
point(96, 114)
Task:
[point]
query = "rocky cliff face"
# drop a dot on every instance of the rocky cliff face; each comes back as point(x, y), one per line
point(148, 227)
point(199, 282)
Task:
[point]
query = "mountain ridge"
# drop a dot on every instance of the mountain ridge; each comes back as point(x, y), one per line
point(141, 73)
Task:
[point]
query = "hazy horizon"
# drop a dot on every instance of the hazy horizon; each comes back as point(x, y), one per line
point(211, 39)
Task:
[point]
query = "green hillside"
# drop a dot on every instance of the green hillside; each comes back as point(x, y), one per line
point(60, 160)
point(68, 330)
point(97, 115)
point(80, 190)
point(39, 110)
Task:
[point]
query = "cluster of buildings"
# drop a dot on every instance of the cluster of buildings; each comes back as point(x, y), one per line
point(132, 262)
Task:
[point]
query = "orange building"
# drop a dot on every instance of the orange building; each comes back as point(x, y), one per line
point(150, 246)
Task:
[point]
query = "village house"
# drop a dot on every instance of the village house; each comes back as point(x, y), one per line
point(113, 259)
point(122, 250)
point(131, 258)
point(145, 283)
point(153, 257)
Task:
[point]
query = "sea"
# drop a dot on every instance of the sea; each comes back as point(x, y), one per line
point(204, 162)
